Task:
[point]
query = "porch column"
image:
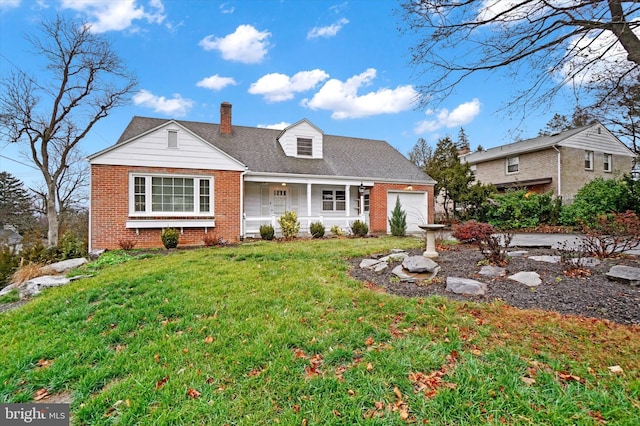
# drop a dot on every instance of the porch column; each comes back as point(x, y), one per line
point(309, 200)
point(347, 201)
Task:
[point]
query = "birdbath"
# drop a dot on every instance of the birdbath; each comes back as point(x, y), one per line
point(431, 229)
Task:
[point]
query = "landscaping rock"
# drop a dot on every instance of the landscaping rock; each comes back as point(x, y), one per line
point(394, 257)
point(587, 262)
point(493, 271)
point(466, 286)
point(548, 259)
point(380, 268)
point(368, 263)
point(7, 289)
point(517, 253)
point(36, 285)
point(413, 277)
point(624, 274)
point(67, 265)
point(530, 279)
point(419, 264)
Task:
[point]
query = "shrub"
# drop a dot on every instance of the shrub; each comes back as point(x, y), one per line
point(598, 197)
point(212, 239)
point(170, 238)
point(289, 224)
point(267, 232)
point(316, 229)
point(127, 244)
point(70, 247)
point(494, 248)
point(472, 231)
point(336, 230)
point(359, 228)
point(8, 264)
point(612, 234)
point(398, 220)
point(523, 209)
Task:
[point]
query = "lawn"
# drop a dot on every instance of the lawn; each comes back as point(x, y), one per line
point(278, 333)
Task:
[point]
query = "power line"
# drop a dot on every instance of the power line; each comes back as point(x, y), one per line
point(19, 162)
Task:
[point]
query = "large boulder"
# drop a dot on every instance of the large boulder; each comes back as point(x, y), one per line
point(419, 264)
point(624, 274)
point(466, 286)
point(530, 279)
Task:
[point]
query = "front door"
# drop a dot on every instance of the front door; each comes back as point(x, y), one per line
point(279, 201)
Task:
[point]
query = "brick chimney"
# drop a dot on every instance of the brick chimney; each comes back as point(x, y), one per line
point(225, 118)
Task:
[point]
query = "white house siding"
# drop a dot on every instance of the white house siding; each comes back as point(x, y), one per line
point(289, 139)
point(151, 150)
point(591, 140)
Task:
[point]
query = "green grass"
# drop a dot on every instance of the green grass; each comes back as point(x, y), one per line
point(277, 333)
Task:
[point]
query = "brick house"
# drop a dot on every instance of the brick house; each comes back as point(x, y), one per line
point(228, 180)
point(561, 163)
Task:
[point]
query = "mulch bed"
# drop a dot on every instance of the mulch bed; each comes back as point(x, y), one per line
point(592, 296)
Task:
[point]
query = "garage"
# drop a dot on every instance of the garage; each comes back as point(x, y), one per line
point(414, 203)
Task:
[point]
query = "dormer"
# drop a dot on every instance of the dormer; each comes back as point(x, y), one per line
point(302, 140)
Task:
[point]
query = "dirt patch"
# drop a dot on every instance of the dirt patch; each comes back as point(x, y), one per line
point(593, 296)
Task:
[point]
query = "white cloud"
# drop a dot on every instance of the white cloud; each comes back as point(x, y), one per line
point(280, 87)
point(8, 4)
point(342, 98)
point(176, 106)
point(328, 31)
point(459, 116)
point(512, 10)
point(215, 82)
point(246, 44)
point(225, 8)
point(116, 15)
point(277, 126)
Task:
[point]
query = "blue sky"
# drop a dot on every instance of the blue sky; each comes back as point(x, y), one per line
point(344, 66)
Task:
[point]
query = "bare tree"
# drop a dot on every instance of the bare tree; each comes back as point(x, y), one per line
point(552, 42)
point(86, 79)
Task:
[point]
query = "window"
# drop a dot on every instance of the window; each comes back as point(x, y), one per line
point(333, 200)
point(172, 139)
point(513, 165)
point(172, 195)
point(588, 160)
point(305, 147)
point(608, 158)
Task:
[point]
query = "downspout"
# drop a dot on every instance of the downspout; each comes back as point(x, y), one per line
point(242, 216)
point(559, 188)
point(89, 248)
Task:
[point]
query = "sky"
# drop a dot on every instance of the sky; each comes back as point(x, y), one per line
point(342, 65)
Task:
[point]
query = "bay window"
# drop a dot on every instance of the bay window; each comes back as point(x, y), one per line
point(168, 195)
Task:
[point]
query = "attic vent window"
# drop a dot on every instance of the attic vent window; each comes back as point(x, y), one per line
point(305, 147)
point(172, 139)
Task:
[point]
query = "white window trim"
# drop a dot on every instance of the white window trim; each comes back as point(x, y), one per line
point(506, 165)
point(196, 195)
point(590, 154)
point(334, 201)
point(610, 169)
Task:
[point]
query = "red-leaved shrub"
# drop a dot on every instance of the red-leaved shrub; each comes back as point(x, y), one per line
point(472, 231)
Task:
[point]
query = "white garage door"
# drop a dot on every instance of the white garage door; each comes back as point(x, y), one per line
point(414, 204)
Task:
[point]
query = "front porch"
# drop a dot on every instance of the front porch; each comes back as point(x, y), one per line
point(330, 202)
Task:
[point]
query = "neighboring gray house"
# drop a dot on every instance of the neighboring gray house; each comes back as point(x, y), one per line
point(10, 237)
point(228, 180)
point(561, 163)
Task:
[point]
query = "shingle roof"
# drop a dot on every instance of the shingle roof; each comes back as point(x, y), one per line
point(521, 147)
point(260, 151)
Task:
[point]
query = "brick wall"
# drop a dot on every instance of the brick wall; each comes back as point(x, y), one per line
point(110, 207)
point(378, 204)
point(533, 165)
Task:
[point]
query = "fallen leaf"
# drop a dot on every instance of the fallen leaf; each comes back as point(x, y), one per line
point(369, 366)
point(185, 350)
point(397, 392)
point(616, 369)
point(162, 381)
point(369, 341)
point(44, 363)
point(296, 409)
point(336, 413)
point(528, 380)
point(570, 377)
point(193, 393)
point(208, 339)
point(351, 392)
point(40, 393)
point(156, 358)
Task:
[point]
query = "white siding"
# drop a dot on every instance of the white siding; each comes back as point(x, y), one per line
point(152, 150)
point(303, 129)
point(591, 140)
